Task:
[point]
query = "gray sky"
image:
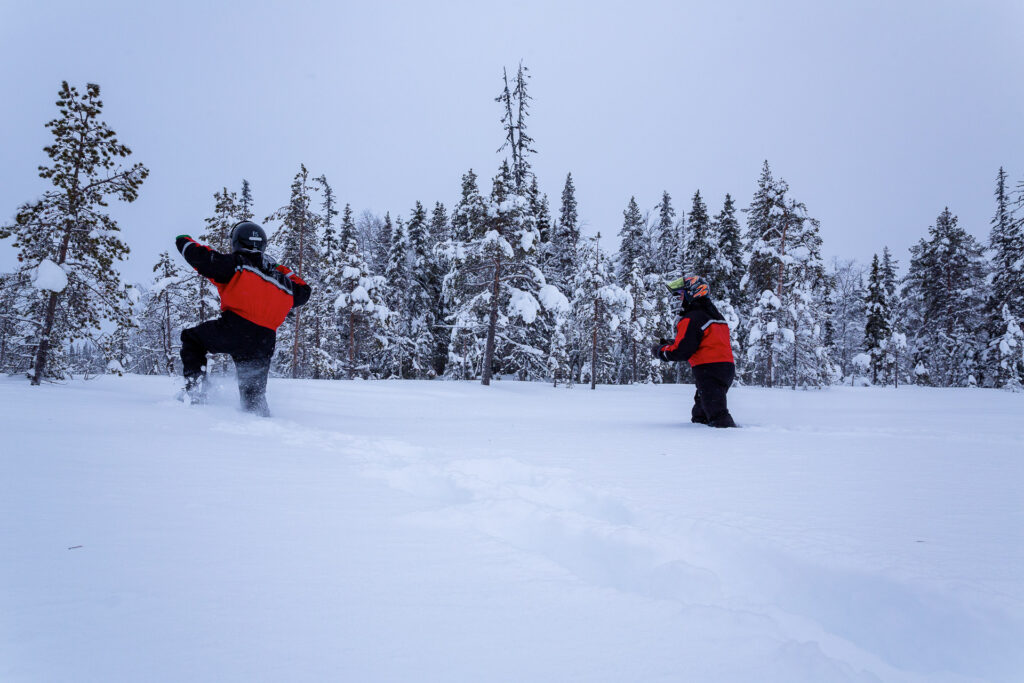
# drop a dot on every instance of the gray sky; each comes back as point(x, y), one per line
point(878, 114)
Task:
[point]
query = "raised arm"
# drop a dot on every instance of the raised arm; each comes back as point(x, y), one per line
point(207, 262)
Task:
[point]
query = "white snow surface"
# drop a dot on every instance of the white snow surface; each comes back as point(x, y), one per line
point(509, 533)
point(49, 277)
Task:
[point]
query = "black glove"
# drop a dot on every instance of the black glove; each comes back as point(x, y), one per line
point(656, 350)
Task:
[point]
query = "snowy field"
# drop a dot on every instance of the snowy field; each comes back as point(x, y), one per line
point(430, 531)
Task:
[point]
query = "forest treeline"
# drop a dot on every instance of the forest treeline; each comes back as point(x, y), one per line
point(501, 283)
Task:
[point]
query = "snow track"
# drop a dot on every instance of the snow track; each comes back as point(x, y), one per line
point(433, 531)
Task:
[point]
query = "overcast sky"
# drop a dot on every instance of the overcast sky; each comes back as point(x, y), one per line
point(878, 114)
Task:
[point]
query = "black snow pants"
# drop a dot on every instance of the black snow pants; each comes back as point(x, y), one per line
point(251, 346)
point(713, 381)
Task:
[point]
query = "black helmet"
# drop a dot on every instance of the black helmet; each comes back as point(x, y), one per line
point(247, 236)
point(689, 288)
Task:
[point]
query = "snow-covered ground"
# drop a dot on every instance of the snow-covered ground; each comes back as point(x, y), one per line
point(432, 531)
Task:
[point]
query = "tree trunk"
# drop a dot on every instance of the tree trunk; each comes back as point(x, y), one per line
point(492, 324)
point(593, 347)
point(295, 343)
point(351, 343)
point(44, 339)
point(51, 309)
point(168, 357)
point(298, 313)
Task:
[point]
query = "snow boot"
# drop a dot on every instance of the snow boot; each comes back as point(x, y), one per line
point(195, 391)
point(723, 421)
point(254, 401)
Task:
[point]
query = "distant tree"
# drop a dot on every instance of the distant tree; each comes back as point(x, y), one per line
point(598, 307)
point(562, 264)
point(703, 252)
point(637, 275)
point(297, 242)
point(730, 246)
point(245, 202)
point(156, 341)
point(422, 292)
point(666, 238)
point(396, 277)
point(847, 312)
point(877, 330)
point(942, 288)
point(360, 301)
point(1006, 245)
point(786, 281)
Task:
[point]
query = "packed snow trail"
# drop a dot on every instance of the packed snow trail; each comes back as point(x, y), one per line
point(447, 531)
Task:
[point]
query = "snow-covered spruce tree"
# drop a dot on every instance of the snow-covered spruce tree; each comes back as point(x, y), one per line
point(1007, 348)
point(598, 307)
point(325, 352)
point(634, 268)
point(515, 337)
point(730, 247)
point(440, 235)
point(763, 338)
point(540, 207)
point(163, 311)
point(666, 239)
point(245, 202)
point(562, 262)
point(702, 253)
point(296, 241)
point(876, 329)
point(396, 277)
point(422, 291)
point(1006, 245)
point(65, 239)
point(463, 282)
point(360, 303)
point(380, 245)
point(944, 290)
point(786, 278)
point(665, 243)
point(727, 276)
point(897, 345)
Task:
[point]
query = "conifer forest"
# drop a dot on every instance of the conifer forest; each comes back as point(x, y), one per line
point(500, 281)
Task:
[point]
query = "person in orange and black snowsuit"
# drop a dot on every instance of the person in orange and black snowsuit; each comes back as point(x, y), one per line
point(702, 339)
point(256, 295)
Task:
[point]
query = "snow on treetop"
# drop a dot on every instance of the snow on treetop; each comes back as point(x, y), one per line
point(50, 277)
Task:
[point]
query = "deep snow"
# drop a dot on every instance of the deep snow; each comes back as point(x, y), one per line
point(423, 531)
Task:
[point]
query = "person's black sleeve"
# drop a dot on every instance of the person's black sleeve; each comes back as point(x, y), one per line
point(300, 290)
point(301, 293)
point(207, 262)
point(689, 334)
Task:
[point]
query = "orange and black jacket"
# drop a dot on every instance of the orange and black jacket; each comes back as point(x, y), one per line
point(702, 337)
point(250, 286)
